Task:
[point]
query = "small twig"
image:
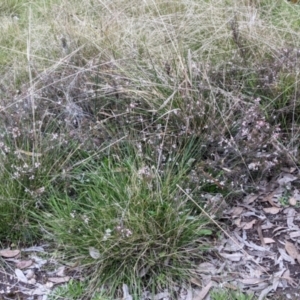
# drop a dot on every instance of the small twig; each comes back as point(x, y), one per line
point(259, 231)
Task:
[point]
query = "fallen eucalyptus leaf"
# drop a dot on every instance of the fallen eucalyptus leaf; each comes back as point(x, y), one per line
point(248, 225)
point(9, 253)
point(236, 212)
point(268, 241)
point(272, 210)
point(22, 264)
point(250, 198)
point(20, 275)
point(291, 250)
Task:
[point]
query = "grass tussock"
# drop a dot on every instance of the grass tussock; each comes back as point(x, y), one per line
point(130, 222)
point(107, 107)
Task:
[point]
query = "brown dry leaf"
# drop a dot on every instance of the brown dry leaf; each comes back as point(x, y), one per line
point(236, 212)
point(286, 275)
point(203, 292)
point(248, 225)
point(230, 286)
point(9, 253)
point(272, 210)
point(237, 222)
point(196, 281)
point(268, 241)
point(59, 279)
point(22, 264)
point(293, 201)
point(61, 271)
point(250, 198)
point(269, 198)
point(291, 250)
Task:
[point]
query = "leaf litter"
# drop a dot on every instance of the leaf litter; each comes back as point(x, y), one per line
point(260, 251)
point(26, 275)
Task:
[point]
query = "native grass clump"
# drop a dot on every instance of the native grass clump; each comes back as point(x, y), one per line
point(130, 222)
